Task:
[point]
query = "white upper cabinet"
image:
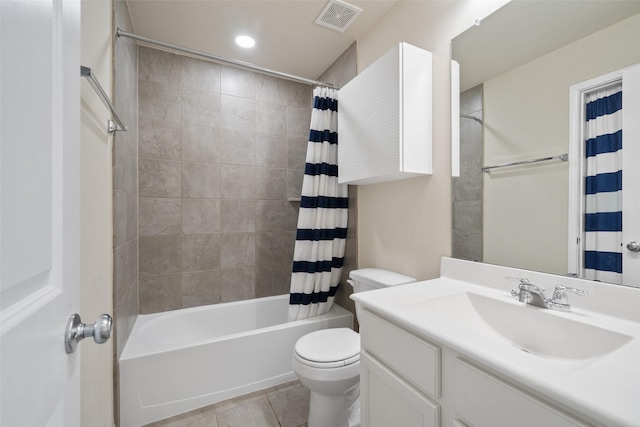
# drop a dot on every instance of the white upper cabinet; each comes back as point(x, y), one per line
point(384, 119)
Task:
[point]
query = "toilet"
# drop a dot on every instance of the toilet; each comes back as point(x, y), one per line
point(327, 362)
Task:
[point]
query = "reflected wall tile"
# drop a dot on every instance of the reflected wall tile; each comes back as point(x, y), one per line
point(159, 139)
point(159, 216)
point(299, 95)
point(158, 66)
point(200, 180)
point(159, 101)
point(467, 215)
point(200, 252)
point(125, 217)
point(200, 74)
point(274, 247)
point(294, 182)
point(467, 244)
point(271, 151)
point(237, 216)
point(160, 293)
point(271, 183)
point(201, 288)
point(125, 266)
point(160, 254)
point(237, 147)
point(272, 215)
point(237, 82)
point(271, 89)
point(298, 121)
point(237, 250)
point(200, 143)
point(297, 152)
point(200, 216)
point(200, 107)
point(271, 118)
point(238, 284)
point(159, 178)
point(238, 113)
point(467, 187)
point(238, 182)
point(125, 166)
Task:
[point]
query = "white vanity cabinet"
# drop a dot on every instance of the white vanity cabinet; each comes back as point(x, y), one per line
point(384, 119)
point(408, 381)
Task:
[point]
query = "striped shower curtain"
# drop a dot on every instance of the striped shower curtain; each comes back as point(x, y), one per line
point(322, 219)
point(603, 185)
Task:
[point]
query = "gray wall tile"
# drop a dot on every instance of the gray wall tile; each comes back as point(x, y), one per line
point(237, 250)
point(200, 180)
point(200, 143)
point(159, 178)
point(238, 82)
point(237, 216)
point(271, 151)
point(159, 101)
point(159, 216)
point(200, 288)
point(159, 140)
point(237, 147)
point(160, 254)
point(200, 107)
point(271, 183)
point(271, 119)
point(238, 182)
point(201, 252)
point(238, 113)
point(160, 293)
point(238, 284)
point(199, 74)
point(200, 216)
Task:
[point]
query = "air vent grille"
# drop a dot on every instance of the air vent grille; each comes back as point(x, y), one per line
point(338, 15)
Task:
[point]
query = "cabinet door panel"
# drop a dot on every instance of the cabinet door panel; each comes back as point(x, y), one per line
point(386, 400)
point(487, 401)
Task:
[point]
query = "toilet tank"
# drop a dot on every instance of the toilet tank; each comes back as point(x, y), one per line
point(368, 279)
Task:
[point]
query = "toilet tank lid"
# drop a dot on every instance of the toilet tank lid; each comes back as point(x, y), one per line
point(380, 277)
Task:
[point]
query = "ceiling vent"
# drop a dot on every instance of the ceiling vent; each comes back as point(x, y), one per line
point(338, 15)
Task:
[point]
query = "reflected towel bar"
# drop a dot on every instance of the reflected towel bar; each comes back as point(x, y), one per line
point(112, 127)
point(561, 157)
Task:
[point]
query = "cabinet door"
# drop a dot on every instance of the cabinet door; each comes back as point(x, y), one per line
point(483, 400)
point(386, 400)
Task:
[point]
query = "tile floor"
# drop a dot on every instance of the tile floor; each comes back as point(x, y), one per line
point(285, 405)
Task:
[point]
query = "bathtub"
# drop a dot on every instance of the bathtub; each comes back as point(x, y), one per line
point(182, 360)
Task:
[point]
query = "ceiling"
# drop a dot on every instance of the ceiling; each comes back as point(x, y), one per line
point(287, 39)
point(523, 30)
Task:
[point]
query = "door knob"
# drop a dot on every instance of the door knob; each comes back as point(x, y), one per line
point(633, 246)
point(76, 331)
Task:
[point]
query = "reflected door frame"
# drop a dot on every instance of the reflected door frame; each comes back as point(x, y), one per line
point(630, 78)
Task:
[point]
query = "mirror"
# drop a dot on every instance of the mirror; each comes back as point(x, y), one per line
point(516, 68)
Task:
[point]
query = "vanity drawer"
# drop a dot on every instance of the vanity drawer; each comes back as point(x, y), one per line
point(484, 400)
point(415, 359)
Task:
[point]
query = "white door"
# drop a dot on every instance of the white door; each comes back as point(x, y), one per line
point(630, 78)
point(39, 208)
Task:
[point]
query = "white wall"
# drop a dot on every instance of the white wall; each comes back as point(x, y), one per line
point(406, 225)
point(526, 115)
point(96, 207)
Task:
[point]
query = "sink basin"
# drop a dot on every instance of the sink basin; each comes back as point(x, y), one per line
point(531, 329)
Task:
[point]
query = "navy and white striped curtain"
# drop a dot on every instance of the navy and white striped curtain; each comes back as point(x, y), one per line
point(322, 219)
point(603, 185)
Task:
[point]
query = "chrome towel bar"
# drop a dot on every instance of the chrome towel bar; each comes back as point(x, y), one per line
point(95, 84)
point(561, 157)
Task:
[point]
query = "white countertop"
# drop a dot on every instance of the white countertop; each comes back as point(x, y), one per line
point(604, 389)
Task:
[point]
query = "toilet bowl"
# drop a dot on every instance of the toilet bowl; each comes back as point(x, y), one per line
point(327, 362)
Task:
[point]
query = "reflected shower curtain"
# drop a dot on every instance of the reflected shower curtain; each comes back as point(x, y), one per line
point(603, 185)
point(322, 219)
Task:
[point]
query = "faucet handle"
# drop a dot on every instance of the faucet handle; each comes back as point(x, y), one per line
point(560, 293)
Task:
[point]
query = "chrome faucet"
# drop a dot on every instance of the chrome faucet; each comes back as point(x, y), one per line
point(531, 294)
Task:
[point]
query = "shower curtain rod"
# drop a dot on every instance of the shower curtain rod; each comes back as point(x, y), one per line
point(229, 61)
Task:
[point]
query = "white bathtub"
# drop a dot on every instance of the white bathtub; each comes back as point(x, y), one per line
point(182, 360)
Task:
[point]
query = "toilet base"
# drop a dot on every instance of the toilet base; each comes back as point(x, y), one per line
point(335, 411)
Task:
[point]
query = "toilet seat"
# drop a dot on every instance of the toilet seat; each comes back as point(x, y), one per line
point(328, 348)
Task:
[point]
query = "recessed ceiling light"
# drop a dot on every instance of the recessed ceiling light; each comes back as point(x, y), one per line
point(245, 41)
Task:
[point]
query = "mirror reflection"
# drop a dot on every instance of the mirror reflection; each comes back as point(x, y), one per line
point(516, 71)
